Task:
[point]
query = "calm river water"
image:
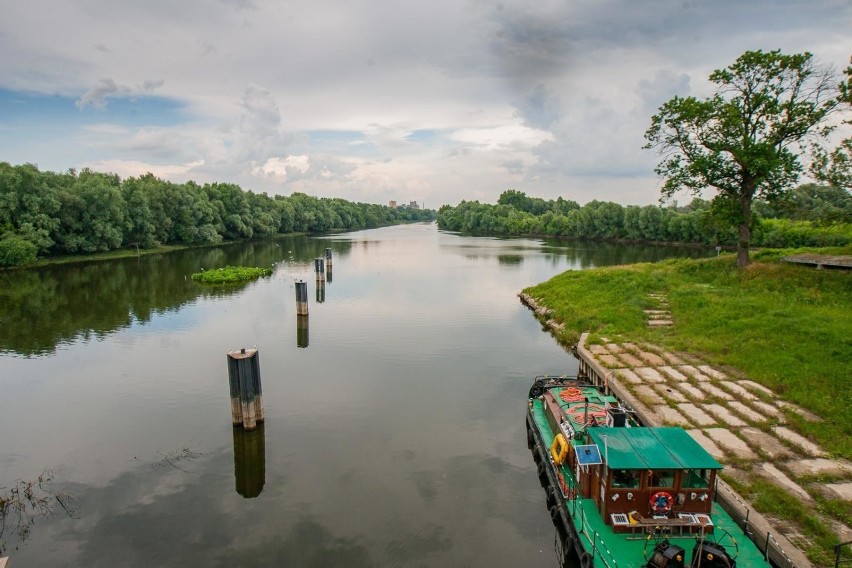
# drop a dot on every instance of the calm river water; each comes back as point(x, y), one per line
point(394, 431)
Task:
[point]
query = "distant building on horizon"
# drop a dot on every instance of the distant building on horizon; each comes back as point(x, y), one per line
point(411, 205)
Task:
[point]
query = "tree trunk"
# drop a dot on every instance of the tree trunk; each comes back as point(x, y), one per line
point(745, 231)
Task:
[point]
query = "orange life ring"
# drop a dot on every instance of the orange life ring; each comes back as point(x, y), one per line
point(559, 449)
point(661, 502)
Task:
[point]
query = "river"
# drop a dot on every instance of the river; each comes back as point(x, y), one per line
point(394, 432)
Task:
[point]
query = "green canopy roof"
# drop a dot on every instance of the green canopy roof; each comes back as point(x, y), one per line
point(651, 448)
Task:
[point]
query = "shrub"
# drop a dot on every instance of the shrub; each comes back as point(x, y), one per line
point(16, 251)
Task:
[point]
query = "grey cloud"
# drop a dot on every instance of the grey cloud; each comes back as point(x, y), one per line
point(97, 96)
point(107, 88)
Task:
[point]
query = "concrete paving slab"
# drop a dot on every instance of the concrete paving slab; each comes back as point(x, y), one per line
point(672, 358)
point(728, 441)
point(809, 416)
point(799, 441)
point(819, 466)
point(712, 373)
point(746, 412)
point(724, 415)
point(614, 348)
point(669, 393)
point(628, 376)
point(652, 359)
point(630, 346)
point(697, 414)
point(673, 373)
point(766, 409)
point(779, 477)
point(609, 361)
point(706, 443)
point(757, 388)
point(739, 392)
point(692, 392)
point(768, 444)
point(660, 323)
point(715, 391)
point(842, 490)
point(650, 375)
point(694, 373)
point(631, 360)
point(669, 416)
point(598, 350)
point(648, 395)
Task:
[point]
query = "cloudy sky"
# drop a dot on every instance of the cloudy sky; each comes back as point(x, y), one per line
point(372, 100)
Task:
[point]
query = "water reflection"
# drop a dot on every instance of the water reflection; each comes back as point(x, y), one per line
point(397, 439)
point(250, 460)
point(49, 306)
point(302, 332)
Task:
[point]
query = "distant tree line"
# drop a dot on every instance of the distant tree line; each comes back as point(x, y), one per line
point(810, 215)
point(45, 213)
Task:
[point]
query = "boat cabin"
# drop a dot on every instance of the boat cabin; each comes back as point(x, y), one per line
point(645, 476)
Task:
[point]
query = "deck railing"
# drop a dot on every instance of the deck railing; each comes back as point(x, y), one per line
point(839, 556)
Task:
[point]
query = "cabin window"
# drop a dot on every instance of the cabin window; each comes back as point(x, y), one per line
point(626, 478)
point(661, 478)
point(696, 479)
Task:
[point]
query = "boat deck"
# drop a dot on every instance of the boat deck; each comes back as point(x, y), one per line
point(631, 549)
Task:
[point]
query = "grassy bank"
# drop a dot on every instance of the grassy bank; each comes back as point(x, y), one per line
point(784, 325)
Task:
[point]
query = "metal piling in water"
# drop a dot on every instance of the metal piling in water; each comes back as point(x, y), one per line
point(301, 298)
point(246, 392)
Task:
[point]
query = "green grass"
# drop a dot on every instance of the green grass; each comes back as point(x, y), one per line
point(784, 325)
point(231, 275)
point(774, 501)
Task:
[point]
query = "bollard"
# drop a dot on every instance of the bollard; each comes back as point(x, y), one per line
point(301, 298)
point(249, 461)
point(302, 338)
point(320, 291)
point(246, 394)
point(319, 268)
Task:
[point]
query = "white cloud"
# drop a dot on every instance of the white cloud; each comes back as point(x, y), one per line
point(377, 99)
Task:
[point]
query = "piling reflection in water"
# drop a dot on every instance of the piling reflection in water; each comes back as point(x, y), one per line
point(320, 291)
point(302, 339)
point(249, 460)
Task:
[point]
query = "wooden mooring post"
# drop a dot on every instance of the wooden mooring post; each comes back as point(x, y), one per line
point(319, 268)
point(328, 257)
point(246, 394)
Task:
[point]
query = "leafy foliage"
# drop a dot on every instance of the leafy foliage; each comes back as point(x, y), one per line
point(231, 275)
point(744, 141)
point(73, 213)
point(697, 223)
point(16, 251)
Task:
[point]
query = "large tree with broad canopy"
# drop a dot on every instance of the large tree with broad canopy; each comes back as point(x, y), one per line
point(745, 140)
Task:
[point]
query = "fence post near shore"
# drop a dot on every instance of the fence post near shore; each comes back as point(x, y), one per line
point(246, 393)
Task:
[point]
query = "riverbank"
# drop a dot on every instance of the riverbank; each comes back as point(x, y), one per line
point(783, 327)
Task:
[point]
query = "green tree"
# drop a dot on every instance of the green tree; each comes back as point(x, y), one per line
point(835, 167)
point(744, 141)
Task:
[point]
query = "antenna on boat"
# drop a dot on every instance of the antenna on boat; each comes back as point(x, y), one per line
point(606, 451)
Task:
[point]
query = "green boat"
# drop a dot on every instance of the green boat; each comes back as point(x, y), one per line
point(627, 496)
